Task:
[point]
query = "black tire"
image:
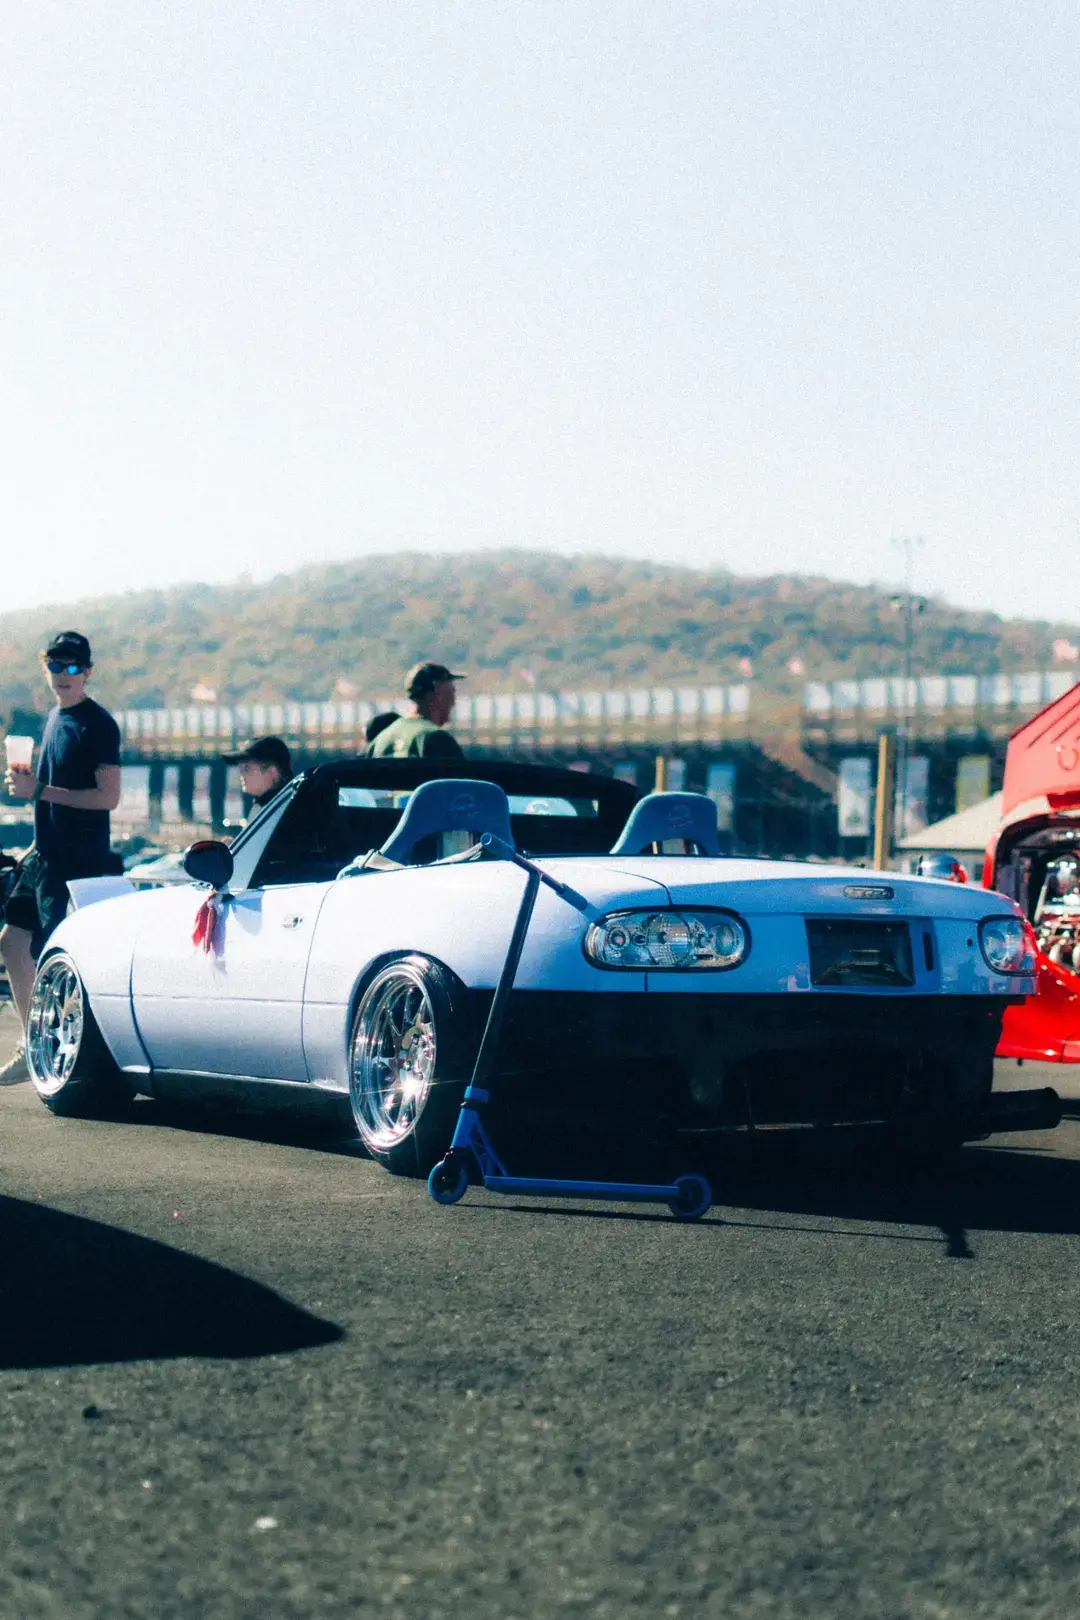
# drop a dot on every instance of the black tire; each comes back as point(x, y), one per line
point(410, 1057)
point(72, 1070)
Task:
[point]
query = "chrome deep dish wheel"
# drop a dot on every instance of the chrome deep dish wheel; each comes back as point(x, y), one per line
point(410, 1055)
point(55, 1026)
point(71, 1067)
point(393, 1057)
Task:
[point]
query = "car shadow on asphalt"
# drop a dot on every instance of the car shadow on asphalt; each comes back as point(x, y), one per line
point(1004, 1185)
point(987, 1187)
point(325, 1129)
point(804, 1182)
point(75, 1291)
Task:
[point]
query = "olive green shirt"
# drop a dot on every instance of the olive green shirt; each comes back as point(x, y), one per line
point(412, 736)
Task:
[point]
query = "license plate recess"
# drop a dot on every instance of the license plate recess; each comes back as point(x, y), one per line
point(855, 952)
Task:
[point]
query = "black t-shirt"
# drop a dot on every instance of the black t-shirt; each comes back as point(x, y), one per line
point(77, 742)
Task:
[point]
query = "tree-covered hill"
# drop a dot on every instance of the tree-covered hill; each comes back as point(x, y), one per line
point(567, 621)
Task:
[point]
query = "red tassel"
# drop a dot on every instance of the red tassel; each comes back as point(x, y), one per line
point(206, 924)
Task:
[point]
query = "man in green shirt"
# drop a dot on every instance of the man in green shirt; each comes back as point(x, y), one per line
point(430, 688)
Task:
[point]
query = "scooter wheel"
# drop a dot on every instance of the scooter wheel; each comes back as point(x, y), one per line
point(693, 1197)
point(448, 1182)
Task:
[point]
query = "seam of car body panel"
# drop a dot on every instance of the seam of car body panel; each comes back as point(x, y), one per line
point(602, 861)
point(307, 969)
point(147, 1065)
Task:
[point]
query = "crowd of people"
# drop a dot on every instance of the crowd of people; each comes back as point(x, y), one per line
point(76, 785)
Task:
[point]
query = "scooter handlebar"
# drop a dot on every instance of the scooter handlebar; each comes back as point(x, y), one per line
point(506, 852)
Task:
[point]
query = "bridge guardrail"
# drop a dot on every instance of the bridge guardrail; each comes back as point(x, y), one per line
point(932, 702)
point(637, 713)
point(934, 694)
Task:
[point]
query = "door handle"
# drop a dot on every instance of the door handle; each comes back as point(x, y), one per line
point(291, 922)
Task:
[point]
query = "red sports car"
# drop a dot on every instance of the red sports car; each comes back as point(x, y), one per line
point(1035, 858)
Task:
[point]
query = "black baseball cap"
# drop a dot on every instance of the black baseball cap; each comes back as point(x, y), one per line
point(264, 751)
point(423, 678)
point(71, 647)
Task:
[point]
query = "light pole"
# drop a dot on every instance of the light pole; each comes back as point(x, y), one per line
point(909, 605)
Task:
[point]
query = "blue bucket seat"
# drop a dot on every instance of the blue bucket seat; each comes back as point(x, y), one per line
point(451, 804)
point(662, 818)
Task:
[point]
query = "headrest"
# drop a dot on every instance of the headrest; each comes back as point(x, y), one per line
point(451, 804)
point(665, 817)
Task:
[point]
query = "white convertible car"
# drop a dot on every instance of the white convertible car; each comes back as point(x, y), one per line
point(348, 944)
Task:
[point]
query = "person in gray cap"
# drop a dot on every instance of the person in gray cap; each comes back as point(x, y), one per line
point(430, 688)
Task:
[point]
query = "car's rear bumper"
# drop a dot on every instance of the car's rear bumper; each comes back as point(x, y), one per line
point(735, 1060)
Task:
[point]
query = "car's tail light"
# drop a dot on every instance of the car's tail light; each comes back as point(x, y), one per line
point(680, 941)
point(1006, 945)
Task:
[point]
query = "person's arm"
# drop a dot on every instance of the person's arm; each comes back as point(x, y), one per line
point(104, 796)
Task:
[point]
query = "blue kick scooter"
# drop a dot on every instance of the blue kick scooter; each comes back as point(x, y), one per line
point(472, 1158)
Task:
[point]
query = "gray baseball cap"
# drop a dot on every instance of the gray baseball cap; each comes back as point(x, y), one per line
point(423, 678)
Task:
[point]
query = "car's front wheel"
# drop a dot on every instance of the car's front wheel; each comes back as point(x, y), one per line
point(72, 1069)
point(409, 1062)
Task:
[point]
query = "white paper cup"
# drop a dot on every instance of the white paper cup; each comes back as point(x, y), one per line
point(20, 752)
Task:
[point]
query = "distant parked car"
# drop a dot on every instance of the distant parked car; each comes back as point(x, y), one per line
point(153, 869)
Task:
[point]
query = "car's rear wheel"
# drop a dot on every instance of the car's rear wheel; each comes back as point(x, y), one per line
point(409, 1063)
point(72, 1069)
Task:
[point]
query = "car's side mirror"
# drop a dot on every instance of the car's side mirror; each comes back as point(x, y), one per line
point(207, 861)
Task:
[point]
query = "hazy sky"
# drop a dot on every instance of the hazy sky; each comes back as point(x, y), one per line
point(751, 284)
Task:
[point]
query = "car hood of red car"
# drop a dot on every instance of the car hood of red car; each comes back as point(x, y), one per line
point(1043, 761)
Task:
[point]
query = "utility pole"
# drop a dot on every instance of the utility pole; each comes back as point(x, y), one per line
point(908, 604)
point(883, 806)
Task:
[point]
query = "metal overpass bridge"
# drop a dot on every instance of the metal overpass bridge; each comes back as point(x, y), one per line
point(787, 778)
point(955, 730)
point(773, 768)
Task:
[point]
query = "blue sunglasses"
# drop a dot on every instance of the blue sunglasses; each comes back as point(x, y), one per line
point(54, 667)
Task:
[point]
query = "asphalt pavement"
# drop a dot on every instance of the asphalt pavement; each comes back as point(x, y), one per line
point(246, 1375)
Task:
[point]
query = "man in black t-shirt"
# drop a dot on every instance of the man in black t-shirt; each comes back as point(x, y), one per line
point(76, 785)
